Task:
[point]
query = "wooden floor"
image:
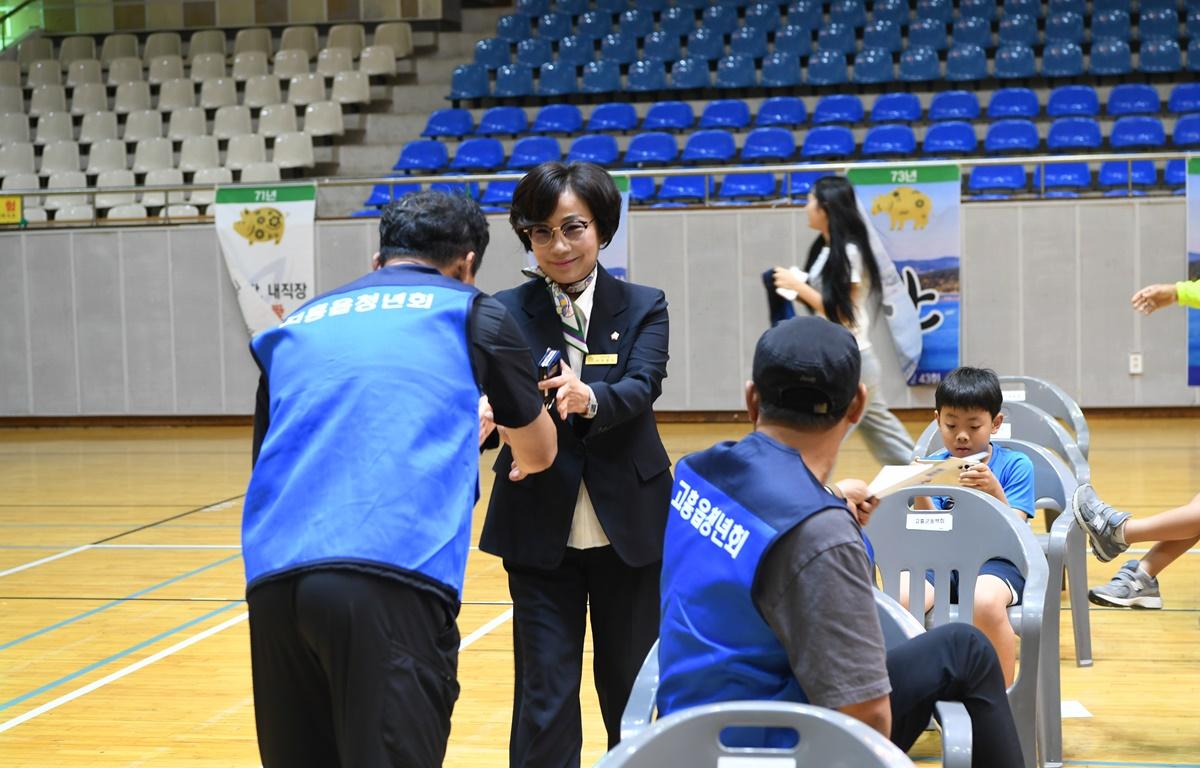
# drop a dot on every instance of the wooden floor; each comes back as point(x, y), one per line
point(123, 639)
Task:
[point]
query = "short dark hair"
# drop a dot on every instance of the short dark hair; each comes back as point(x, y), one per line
point(433, 226)
point(536, 197)
point(970, 389)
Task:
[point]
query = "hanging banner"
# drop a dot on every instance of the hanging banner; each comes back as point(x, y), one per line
point(917, 212)
point(1193, 266)
point(266, 236)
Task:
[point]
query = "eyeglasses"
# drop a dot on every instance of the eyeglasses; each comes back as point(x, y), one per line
point(541, 235)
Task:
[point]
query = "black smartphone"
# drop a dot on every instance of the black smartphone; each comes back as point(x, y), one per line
point(548, 367)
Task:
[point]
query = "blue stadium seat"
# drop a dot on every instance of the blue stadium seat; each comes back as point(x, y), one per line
point(641, 189)
point(838, 108)
point(534, 150)
point(661, 46)
point(938, 10)
point(1018, 29)
point(852, 13)
point(927, 33)
point(1062, 176)
point(471, 189)
point(883, 33)
point(690, 73)
point(646, 75)
point(765, 145)
point(451, 123)
point(1133, 99)
point(684, 188)
point(1062, 59)
point(469, 81)
point(873, 65)
point(611, 6)
point(1139, 132)
point(514, 28)
point(669, 116)
point(721, 18)
point(558, 118)
point(896, 108)
point(895, 11)
point(693, 5)
point(573, 7)
point(576, 50)
point(1110, 57)
point(953, 137)
point(498, 194)
point(534, 52)
point(798, 183)
point(709, 146)
point(987, 178)
point(1024, 7)
point(502, 120)
point(919, 65)
point(1070, 100)
point(1109, 5)
point(594, 24)
point(554, 26)
point(655, 147)
point(1116, 173)
point(1013, 102)
point(1074, 133)
point(827, 68)
point(746, 185)
point(1187, 132)
point(953, 105)
point(1193, 23)
point(836, 37)
point(493, 52)
point(513, 80)
point(599, 149)
point(785, 111)
point(748, 41)
point(1184, 98)
point(828, 142)
point(1065, 27)
point(806, 13)
point(705, 43)
point(763, 16)
point(725, 113)
point(888, 140)
point(367, 213)
point(1066, 6)
point(781, 70)
point(1015, 61)
point(533, 7)
point(966, 62)
point(556, 79)
point(382, 194)
point(482, 155)
point(1176, 173)
point(1193, 55)
point(677, 21)
point(601, 76)
point(1160, 55)
point(1162, 23)
point(977, 9)
point(1013, 135)
point(973, 30)
point(1114, 24)
point(736, 72)
point(619, 47)
point(636, 22)
point(793, 39)
point(614, 116)
point(422, 155)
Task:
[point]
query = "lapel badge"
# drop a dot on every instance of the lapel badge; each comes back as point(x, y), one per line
point(615, 336)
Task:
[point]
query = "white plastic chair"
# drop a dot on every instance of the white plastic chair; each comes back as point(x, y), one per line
point(25, 184)
point(1052, 399)
point(300, 38)
point(143, 124)
point(59, 157)
point(46, 99)
point(207, 41)
point(163, 177)
point(126, 212)
point(187, 122)
point(34, 215)
point(107, 155)
point(221, 92)
point(250, 64)
point(351, 88)
point(152, 155)
point(83, 71)
point(351, 36)
point(244, 150)
point(75, 48)
point(115, 178)
point(323, 118)
point(398, 35)
point(131, 97)
point(377, 61)
point(276, 119)
point(16, 158)
point(162, 44)
point(331, 61)
point(127, 69)
point(306, 89)
point(34, 49)
point(198, 152)
point(89, 97)
point(44, 72)
point(259, 172)
point(293, 150)
point(75, 213)
point(252, 39)
point(207, 66)
point(261, 91)
point(205, 182)
point(178, 93)
point(98, 126)
point(52, 127)
point(65, 180)
point(118, 46)
point(179, 211)
point(10, 74)
point(231, 121)
point(14, 127)
point(290, 62)
point(11, 101)
point(166, 68)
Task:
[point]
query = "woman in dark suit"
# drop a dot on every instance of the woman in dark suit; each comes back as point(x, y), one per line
point(589, 530)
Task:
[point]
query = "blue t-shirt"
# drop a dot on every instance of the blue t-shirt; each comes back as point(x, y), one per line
point(1013, 469)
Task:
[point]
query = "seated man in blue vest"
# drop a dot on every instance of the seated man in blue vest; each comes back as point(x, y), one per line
point(357, 521)
point(766, 583)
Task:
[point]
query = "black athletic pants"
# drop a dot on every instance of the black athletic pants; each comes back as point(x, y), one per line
point(351, 670)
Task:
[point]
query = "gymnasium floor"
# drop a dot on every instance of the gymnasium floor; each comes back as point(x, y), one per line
point(123, 639)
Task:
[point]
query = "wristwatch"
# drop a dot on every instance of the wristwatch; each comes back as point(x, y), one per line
point(592, 405)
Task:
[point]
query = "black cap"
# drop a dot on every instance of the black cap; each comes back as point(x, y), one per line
point(807, 365)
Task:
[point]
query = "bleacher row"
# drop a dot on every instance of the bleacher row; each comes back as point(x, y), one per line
point(694, 45)
point(146, 119)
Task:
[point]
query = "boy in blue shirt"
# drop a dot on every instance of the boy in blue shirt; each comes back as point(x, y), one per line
point(967, 406)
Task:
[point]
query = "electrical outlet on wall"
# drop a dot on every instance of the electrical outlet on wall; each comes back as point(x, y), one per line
point(1135, 363)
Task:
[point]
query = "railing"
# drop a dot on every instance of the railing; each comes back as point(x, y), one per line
point(16, 22)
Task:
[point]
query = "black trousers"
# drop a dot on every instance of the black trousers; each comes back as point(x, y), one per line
point(954, 662)
point(549, 614)
point(351, 670)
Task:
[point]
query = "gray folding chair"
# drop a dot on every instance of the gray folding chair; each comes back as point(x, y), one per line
point(692, 738)
point(639, 710)
point(1053, 400)
point(980, 528)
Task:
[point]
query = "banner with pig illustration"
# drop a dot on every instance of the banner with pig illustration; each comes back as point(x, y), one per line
point(917, 213)
point(266, 236)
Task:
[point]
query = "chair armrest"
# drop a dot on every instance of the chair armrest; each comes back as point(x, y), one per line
point(955, 723)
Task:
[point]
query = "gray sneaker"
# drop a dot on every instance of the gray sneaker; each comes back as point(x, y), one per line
point(1130, 588)
point(1100, 521)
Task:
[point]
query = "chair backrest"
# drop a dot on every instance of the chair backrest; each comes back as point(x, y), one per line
point(973, 30)
point(785, 111)
point(207, 41)
point(725, 113)
point(1053, 482)
point(613, 116)
point(1052, 399)
point(127, 69)
point(324, 118)
point(300, 38)
point(954, 105)
point(692, 737)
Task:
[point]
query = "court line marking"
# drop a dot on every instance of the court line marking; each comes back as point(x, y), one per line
point(166, 546)
point(470, 639)
point(164, 653)
point(44, 560)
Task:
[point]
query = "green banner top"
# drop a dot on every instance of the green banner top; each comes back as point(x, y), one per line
point(622, 183)
point(920, 175)
point(1193, 165)
point(290, 193)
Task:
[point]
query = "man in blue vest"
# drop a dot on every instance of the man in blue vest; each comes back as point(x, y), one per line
point(357, 520)
point(766, 583)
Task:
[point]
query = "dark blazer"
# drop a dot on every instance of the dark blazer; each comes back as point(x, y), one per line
point(619, 453)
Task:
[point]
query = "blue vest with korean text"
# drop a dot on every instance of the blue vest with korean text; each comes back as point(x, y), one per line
point(371, 456)
point(730, 504)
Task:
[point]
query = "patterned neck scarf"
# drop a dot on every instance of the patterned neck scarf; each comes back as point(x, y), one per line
point(573, 331)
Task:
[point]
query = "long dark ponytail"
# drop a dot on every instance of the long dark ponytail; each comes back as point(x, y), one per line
point(835, 196)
